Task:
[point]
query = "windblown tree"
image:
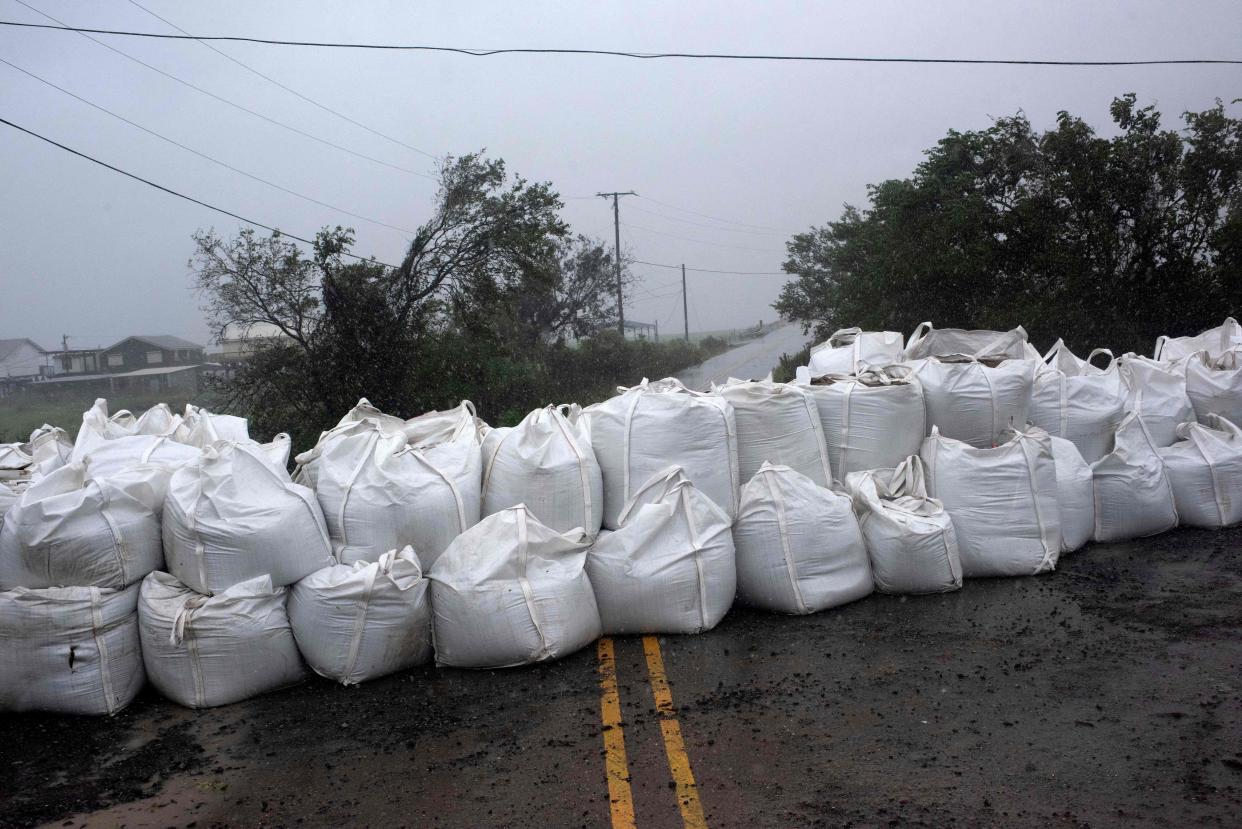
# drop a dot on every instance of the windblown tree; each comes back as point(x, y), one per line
point(1106, 241)
point(495, 264)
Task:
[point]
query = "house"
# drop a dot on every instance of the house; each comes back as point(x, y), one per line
point(149, 364)
point(77, 361)
point(23, 359)
point(240, 344)
point(144, 352)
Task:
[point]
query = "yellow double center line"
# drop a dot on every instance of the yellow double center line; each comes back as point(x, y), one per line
point(620, 795)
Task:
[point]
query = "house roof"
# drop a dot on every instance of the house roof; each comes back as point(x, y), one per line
point(165, 341)
point(7, 347)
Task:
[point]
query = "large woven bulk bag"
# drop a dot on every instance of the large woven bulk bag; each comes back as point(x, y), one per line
point(1205, 472)
point(202, 428)
point(1215, 341)
point(670, 566)
point(68, 530)
point(15, 462)
point(777, 423)
point(909, 536)
point(871, 420)
point(1214, 386)
point(1133, 498)
point(1071, 399)
point(644, 429)
point(98, 425)
point(1003, 502)
point(1157, 392)
point(50, 449)
point(511, 591)
point(929, 341)
point(799, 549)
point(360, 622)
point(232, 515)
point(104, 458)
point(545, 462)
point(851, 349)
point(384, 483)
point(1075, 494)
point(203, 651)
point(975, 401)
point(8, 497)
point(69, 650)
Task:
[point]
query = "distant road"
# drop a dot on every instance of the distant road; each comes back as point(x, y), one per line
point(750, 361)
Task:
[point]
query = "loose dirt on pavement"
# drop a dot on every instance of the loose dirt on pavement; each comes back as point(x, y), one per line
point(1108, 693)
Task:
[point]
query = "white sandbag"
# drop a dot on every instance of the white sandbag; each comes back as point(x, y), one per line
point(799, 549)
point(203, 651)
point(107, 457)
point(1133, 498)
point(975, 401)
point(15, 461)
point(1157, 392)
point(1075, 494)
point(50, 448)
point(1214, 386)
point(776, 423)
point(202, 428)
point(909, 536)
point(1003, 502)
point(232, 514)
point(545, 462)
point(1074, 400)
point(871, 420)
point(670, 566)
point(384, 483)
point(644, 429)
point(8, 497)
point(1205, 472)
point(360, 622)
point(1215, 341)
point(851, 349)
point(511, 591)
point(69, 650)
point(68, 530)
point(98, 426)
point(929, 341)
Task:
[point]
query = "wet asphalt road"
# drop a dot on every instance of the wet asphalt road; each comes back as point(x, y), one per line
point(1108, 693)
point(749, 361)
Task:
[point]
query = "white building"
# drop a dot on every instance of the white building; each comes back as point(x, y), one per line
point(23, 359)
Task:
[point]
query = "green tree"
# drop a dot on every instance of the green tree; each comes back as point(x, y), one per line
point(1102, 240)
point(484, 305)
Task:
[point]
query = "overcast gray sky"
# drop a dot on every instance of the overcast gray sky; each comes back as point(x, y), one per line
point(87, 253)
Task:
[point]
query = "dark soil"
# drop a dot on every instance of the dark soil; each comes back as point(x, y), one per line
point(1108, 693)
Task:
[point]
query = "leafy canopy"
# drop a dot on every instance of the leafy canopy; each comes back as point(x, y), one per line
point(1100, 240)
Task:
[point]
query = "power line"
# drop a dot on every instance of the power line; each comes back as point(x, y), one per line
point(667, 217)
point(715, 218)
point(700, 241)
point(409, 233)
point(172, 192)
point(288, 89)
point(478, 53)
point(212, 95)
point(709, 270)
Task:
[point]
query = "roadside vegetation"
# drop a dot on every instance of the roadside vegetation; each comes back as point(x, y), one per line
point(1107, 241)
point(495, 301)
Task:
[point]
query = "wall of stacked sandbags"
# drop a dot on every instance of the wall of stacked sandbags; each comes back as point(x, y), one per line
point(173, 548)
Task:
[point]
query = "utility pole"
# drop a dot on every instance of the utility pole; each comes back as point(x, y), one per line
point(685, 309)
point(616, 227)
